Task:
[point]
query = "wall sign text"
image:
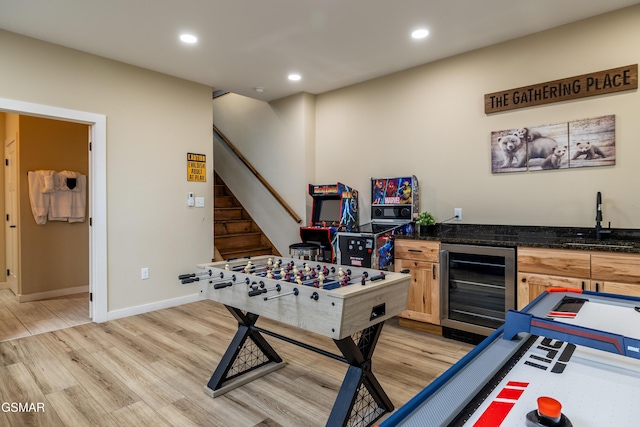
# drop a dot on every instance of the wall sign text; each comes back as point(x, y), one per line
point(196, 167)
point(602, 82)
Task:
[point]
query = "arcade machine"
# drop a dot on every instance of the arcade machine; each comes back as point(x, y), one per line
point(394, 205)
point(335, 208)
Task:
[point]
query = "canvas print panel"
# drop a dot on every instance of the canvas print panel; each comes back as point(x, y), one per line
point(508, 151)
point(547, 146)
point(593, 142)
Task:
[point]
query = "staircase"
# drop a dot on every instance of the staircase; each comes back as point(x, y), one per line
point(235, 234)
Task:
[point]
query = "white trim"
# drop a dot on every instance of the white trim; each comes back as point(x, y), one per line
point(4, 285)
point(53, 294)
point(97, 192)
point(145, 308)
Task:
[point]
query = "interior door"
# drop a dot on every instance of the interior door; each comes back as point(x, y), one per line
point(11, 214)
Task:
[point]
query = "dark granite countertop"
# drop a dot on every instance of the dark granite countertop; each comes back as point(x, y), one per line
point(616, 240)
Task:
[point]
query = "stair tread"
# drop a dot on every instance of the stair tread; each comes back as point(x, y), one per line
point(250, 249)
point(241, 248)
point(243, 234)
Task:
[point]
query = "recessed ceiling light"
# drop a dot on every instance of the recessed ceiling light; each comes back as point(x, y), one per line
point(188, 38)
point(294, 77)
point(420, 34)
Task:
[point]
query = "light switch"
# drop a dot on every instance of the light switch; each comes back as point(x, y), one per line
point(199, 202)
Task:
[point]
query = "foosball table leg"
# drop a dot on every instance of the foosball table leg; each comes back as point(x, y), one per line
point(361, 399)
point(248, 357)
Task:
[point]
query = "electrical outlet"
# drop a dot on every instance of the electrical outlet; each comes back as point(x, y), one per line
point(144, 273)
point(457, 213)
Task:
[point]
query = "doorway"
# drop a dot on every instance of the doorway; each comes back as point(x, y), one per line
point(97, 193)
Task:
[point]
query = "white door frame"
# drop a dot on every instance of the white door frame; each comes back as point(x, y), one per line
point(11, 209)
point(97, 192)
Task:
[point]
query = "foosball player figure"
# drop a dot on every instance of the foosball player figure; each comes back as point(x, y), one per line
point(248, 267)
point(321, 279)
point(345, 280)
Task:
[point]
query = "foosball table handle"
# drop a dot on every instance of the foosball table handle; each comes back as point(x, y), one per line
point(222, 285)
point(257, 292)
point(380, 276)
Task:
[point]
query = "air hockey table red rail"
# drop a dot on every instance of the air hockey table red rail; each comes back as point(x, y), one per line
point(491, 375)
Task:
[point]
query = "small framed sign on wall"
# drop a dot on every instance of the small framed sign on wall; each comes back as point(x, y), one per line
point(196, 167)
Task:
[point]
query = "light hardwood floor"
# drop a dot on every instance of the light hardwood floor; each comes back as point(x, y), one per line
point(18, 320)
point(150, 370)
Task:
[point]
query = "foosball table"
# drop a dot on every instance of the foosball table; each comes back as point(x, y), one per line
point(348, 305)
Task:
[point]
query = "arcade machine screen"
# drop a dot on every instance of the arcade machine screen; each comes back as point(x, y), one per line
point(335, 208)
point(329, 211)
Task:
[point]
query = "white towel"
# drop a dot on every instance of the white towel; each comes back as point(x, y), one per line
point(40, 200)
point(79, 200)
point(68, 204)
point(48, 184)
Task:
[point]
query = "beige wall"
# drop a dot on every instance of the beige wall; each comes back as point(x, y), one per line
point(430, 121)
point(278, 139)
point(153, 120)
point(54, 255)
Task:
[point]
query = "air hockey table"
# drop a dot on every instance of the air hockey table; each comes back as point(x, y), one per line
point(580, 348)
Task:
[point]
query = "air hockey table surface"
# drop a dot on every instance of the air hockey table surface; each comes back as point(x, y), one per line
point(585, 354)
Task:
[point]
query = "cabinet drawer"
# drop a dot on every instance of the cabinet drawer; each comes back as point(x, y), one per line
point(547, 281)
point(418, 250)
point(618, 288)
point(616, 267)
point(555, 262)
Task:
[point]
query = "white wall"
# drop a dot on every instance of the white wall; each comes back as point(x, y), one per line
point(430, 121)
point(153, 120)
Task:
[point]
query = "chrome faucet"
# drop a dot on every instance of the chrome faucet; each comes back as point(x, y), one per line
point(599, 230)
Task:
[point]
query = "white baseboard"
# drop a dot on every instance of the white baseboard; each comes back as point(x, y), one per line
point(145, 308)
point(4, 285)
point(52, 294)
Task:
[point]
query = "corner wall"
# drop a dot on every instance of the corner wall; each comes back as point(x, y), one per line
point(430, 121)
point(153, 121)
point(278, 139)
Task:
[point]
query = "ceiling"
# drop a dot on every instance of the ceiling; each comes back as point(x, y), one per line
point(244, 44)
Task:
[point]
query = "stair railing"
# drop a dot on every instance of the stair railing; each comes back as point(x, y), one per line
point(255, 173)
